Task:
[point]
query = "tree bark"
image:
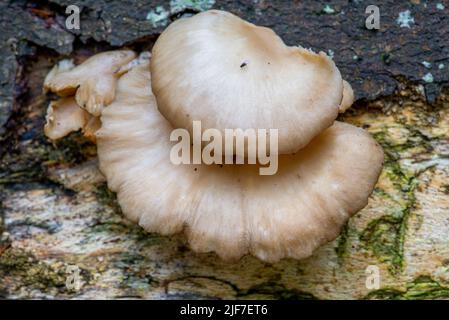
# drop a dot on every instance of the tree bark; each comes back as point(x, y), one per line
point(58, 216)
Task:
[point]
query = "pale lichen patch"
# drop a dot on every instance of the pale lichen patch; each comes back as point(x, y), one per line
point(405, 19)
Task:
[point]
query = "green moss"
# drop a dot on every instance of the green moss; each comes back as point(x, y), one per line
point(381, 193)
point(381, 236)
point(24, 270)
point(385, 236)
point(423, 287)
point(29, 272)
point(415, 139)
point(106, 197)
point(342, 243)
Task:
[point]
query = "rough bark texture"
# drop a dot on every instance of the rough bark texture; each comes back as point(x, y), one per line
point(56, 211)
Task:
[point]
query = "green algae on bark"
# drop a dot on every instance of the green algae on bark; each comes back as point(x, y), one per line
point(16, 263)
point(423, 287)
point(343, 242)
point(385, 236)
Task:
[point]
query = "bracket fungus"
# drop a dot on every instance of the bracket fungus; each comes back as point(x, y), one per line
point(229, 73)
point(231, 209)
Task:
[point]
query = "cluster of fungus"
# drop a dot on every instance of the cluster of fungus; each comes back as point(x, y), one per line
point(227, 73)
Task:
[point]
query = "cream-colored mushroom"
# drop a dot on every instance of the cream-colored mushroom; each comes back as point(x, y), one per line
point(92, 82)
point(65, 116)
point(231, 209)
point(229, 73)
point(62, 66)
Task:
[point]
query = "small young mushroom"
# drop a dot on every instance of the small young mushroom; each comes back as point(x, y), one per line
point(229, 73)
point(92, 82)
point(65, 116)
point(231, 209)
point(62, 66)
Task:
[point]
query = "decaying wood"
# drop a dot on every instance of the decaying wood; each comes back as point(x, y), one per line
point(57, 212)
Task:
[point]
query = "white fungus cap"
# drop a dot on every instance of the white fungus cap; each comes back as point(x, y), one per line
point(229, 73)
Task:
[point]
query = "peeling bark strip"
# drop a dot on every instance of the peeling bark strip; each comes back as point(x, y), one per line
point(56, 212)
